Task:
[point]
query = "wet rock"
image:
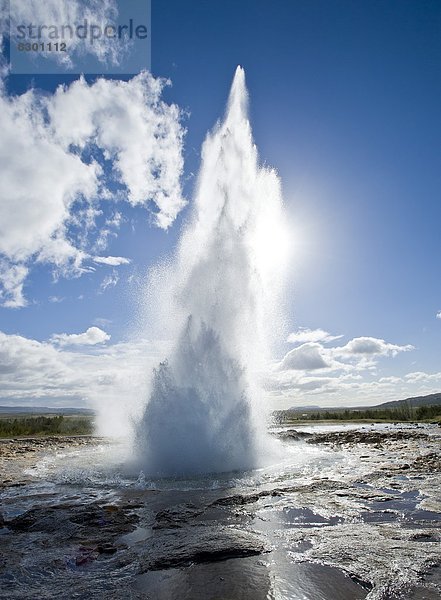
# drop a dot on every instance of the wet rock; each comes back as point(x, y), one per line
point(22, 522)
point(106, 549)
point(339, 438)
point(293, 434)
point(42, 519)
point(199, 545)
point(68, 520)
point(428, 462)
point(242, 499)
point(85, 556)
point(425, 537)
point(238, 499)
point(177, 516)
point(95, 517)
point(12, 484)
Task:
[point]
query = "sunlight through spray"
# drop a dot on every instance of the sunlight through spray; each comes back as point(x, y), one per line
point(222, 293)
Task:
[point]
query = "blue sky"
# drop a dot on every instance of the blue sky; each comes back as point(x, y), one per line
point(344, 103)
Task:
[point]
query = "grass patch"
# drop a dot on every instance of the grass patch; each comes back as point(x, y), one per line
point(41, 426)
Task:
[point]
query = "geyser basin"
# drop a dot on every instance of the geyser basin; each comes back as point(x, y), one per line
point(323, 524)
point(223, 290)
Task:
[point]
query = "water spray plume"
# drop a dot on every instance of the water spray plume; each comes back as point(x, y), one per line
point(204, 413)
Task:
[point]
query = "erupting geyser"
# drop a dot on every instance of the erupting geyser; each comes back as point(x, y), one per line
point(223, 291)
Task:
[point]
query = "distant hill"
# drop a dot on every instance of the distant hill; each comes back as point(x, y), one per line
point(303, 408)
point(429, 400)
point(44, 410)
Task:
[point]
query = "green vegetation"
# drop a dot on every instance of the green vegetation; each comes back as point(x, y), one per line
point(403, 412)
point(41, 425)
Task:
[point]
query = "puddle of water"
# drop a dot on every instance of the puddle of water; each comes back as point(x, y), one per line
point(139, 535)
point(305, 517)
point(252, 579)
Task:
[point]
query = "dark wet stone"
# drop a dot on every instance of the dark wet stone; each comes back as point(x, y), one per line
point(177, 516)
point(241, 499)
point(425, 537)
point(15, 484)
point(114, 521)
point(199, 545)
point(22, 522)
point(238, 499)
point(42, 519)
point(106, 549)
point(74, 519)
point(293, 434)
point(365, 437)
point(85, 556)
point(428, 462)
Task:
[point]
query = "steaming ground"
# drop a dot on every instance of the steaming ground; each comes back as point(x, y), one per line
point(348, 513)
point(219, 301)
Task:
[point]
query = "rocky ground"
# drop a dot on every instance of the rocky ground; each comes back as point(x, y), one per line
point(362, 523)
point(16, 455)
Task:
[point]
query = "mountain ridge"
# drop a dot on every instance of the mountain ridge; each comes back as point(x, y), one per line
point(414, 401)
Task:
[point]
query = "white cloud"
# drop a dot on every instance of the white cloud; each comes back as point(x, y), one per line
point(40, 182)
point(109, 281)
point(306, 357)
point(291, 388)
point(110, 229)
point(359, 354)
point(141, 135)
point(340, 375)
point(371, 346)
point(289, 382)
point(303, 335)
point(56, 299)
point(91, 337)
point(24, 361)
point(422, 377)
point(48, 184)
point(113, 261)
point(438, 314)
point(12, 279)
